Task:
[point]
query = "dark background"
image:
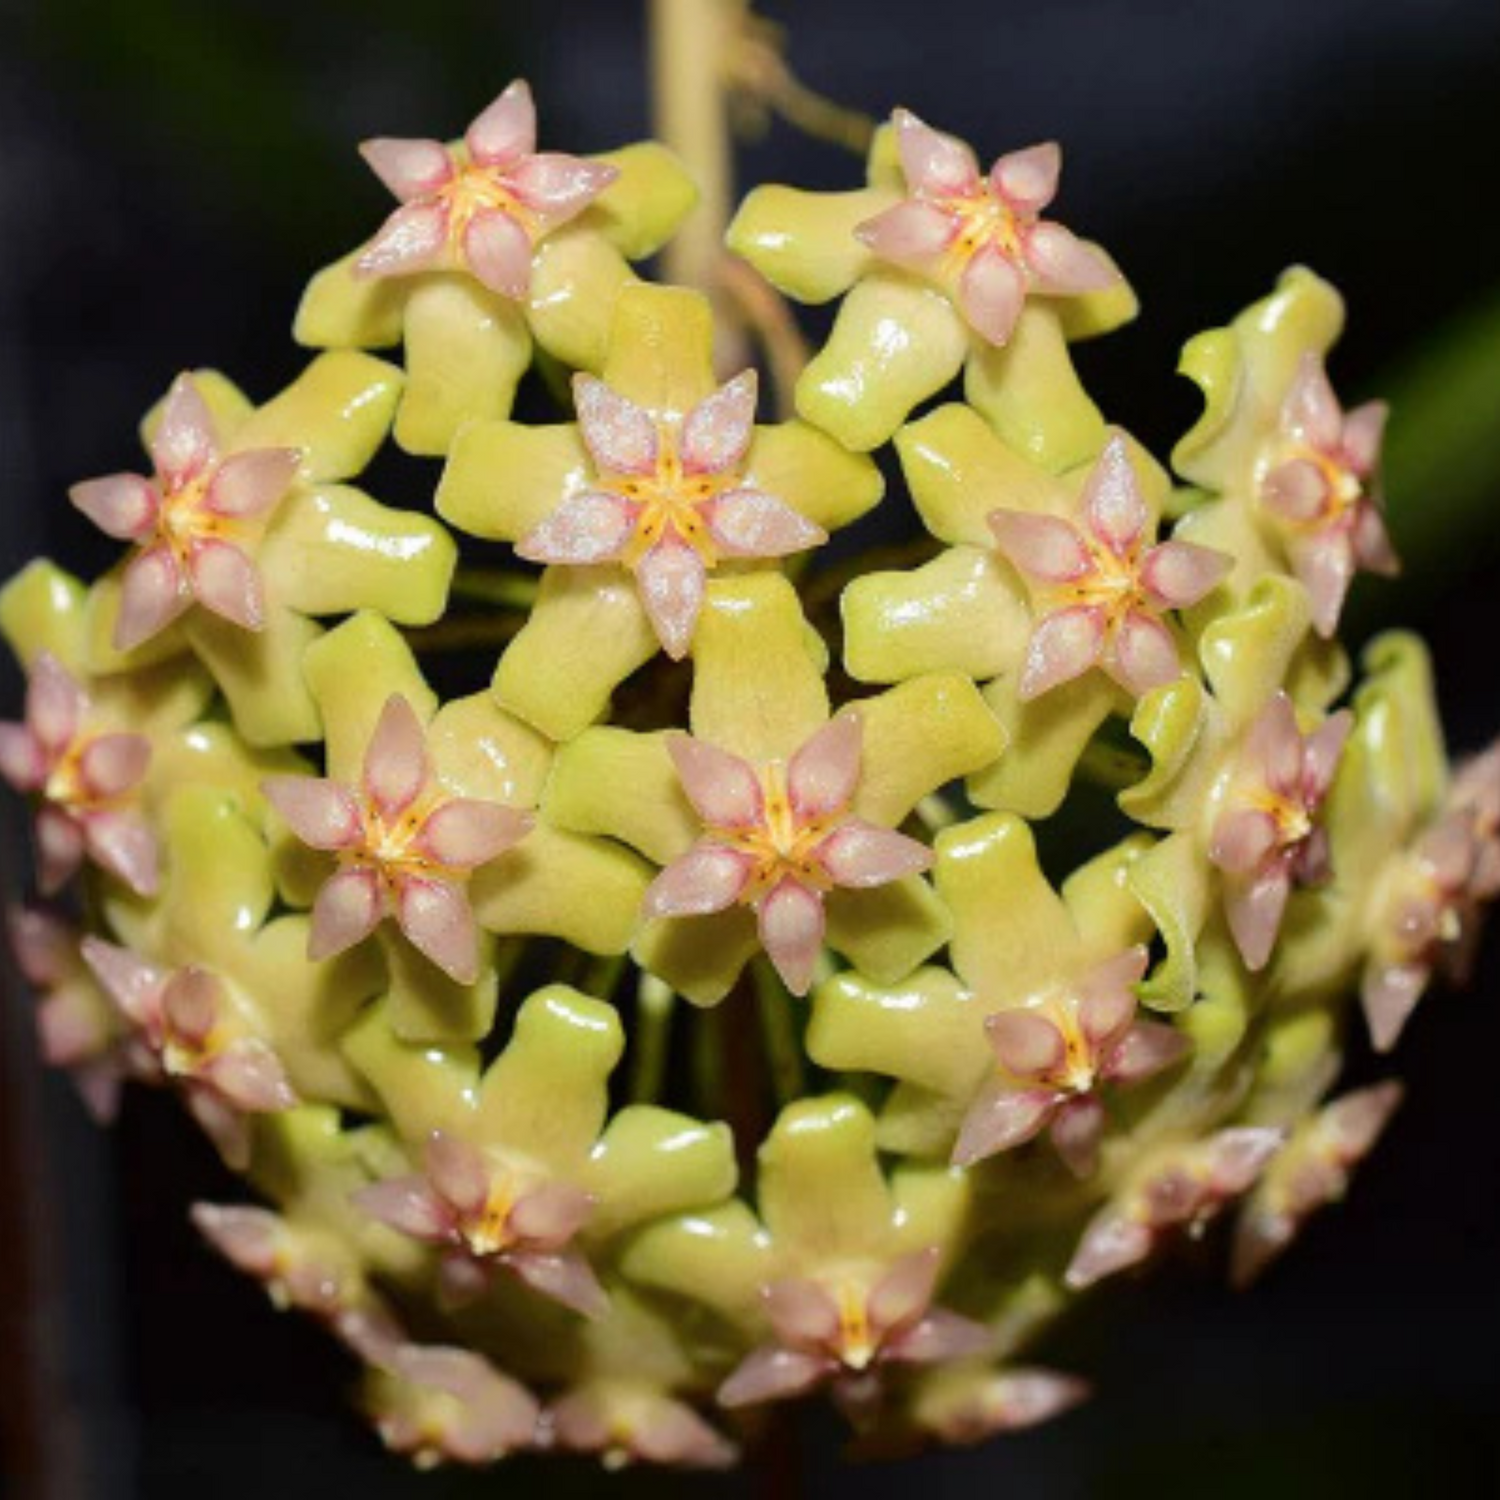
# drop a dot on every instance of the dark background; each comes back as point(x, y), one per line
point(170, 173)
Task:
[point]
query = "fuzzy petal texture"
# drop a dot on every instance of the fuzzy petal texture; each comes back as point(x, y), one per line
point(706, 879)
point(672, 580)
point(791, 922)
point(349, 908)
point(439, 921)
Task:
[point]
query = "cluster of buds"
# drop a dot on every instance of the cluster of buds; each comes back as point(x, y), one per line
point(724, 807)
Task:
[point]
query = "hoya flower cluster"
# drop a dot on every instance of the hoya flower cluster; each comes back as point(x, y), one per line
point(691, 1018)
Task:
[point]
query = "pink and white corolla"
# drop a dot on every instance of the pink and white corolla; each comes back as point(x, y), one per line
point(843, 1331)
point(981, 237)
point(199, 1041)
point(1323, 490)
point(1057, 1057)
point(1183, 1188)
point(629, 1422)
point(1312, 1171)
point(778, 837)
point(437, 1404)
point(78, 1028)
point(668, 501)
point(1266, 837)
point(1099, 587)
point(482, 208)
point(489, 1215)
point(86, 780)
point(303, 1268)
point(404, 847)
point(196, 523)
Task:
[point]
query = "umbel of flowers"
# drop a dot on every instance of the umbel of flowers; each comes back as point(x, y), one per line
point(691, 1017)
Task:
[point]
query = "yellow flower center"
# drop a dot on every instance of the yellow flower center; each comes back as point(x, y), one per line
point(856, 1344)
point(983, 220)
point(781, 845)
point(472, 191)
point(670, 499)
point(488, 1232)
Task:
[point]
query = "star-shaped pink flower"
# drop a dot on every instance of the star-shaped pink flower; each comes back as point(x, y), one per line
point(1324, 489)
point(627, 1423)
point(1056, 1058)
point(1185, 1191)
point(844, 1332)
point(482, 208)
point(1099, 588)
point(84, 782)
point(195, 523)
point(183, 1019)
point(669, 501)
point(404, 847)
point(983, 237)
point(488, 1217)
point(1267, 837)
point(1312, 1172)
point(777, 838)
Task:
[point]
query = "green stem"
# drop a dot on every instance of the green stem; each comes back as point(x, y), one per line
point(779, 1039)
point(652, 1036)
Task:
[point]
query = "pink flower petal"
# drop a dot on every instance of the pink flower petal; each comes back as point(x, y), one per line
point(589, 528)
point(1358, 1120)
point(550, 1215)
point(436, 917)
point(913, 234)
point(991, 292)
point(1179, 574)
point(1077, 1128)
point(904, 1292)
point(155, 591)
point(556, 187)
point(1254, 909)
point(673, 1433)
point(1260, 1235)
point(112, 764)
point(940, 1337)
point(1064, 645)
point(184, 443)
point(133, 984)
point(1026, 181)
point(22, 761)
point(191, 1002)
point(1112, 1243)
point(750, 523)
point(60, 848)
point(1324, 565)
point(224, 1125)
point(563, 1275)
point(409, 1206)
point(1239, 1155)
point(621, 436)
point(123, 844)
point(1047, 548)
point(1112, 504)
point(724, 789)
point(1321, 753)
point(409, 168)
point(1311, 412)
point(505, 132)
point(43, 946)
point(1002, 1117)
point(934, 163)
point(1148, 1048)
point(252, 484)
point(1028, 1044)
point(123, 506)
point(823, 774)
point(1373, 550)
point(860, 855)
point(1106, 995)
point(499, 251)
point(465, 833)
point(1295, 491)
point(708, 878)
point(414, 238)
point(716, 433)
point(248, 1238)
point(1144, 656)
point(396, 767)
point(791, 932)
point(70, 1031)
point(348, 909)
point(1063, 266)
point(1363, 436)
point(773, 1374)
point(803, 1312)
point(1389, 995)
point(1274, 746)
point(227, 582)
point(55, 706)
point(250, 1075)
point(459, 1170)
point(672, 578)
point(323, 814)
